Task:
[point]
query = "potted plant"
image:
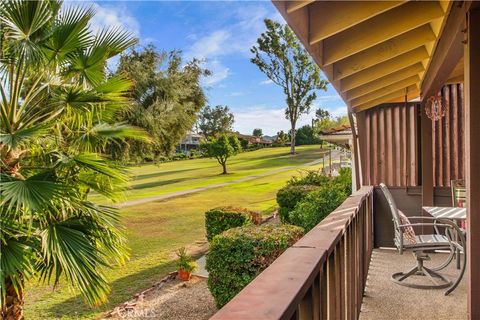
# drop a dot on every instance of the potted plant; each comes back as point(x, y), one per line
point(185, 264)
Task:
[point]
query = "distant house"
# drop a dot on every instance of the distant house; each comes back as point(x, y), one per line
point(190, 142)
point(252, 140)
point(341, 136)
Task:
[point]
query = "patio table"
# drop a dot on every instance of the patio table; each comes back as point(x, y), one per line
point(456, 214)
point(453, 213)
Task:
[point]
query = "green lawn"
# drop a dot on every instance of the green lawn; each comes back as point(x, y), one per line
point(153, 180)
point(156, 229)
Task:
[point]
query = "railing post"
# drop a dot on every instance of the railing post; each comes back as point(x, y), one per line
point(323, 292)
point(332, 301)
point(305, 309)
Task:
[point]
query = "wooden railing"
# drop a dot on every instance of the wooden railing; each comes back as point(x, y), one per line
point(322, 276)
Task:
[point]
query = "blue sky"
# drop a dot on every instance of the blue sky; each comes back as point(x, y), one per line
point(221, 32)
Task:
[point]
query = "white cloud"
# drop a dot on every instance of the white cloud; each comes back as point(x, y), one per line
point(265, 82)
point(270, 120)
point(212, 45)
point(234, 38)
point(114, 16)
point(219, 73)
point(236, 94)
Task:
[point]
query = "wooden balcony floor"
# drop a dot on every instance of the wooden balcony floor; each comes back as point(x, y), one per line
point(386, 300)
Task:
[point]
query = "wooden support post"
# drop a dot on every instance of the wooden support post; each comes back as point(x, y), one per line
point(427, 160)
point(356, 168)
point(472, 159)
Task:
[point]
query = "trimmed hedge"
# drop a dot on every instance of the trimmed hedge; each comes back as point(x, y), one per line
point(238, 255)
point(317, 205)
point(289, 196)
point(218, 220)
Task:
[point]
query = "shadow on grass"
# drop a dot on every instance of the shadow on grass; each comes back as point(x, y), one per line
point(123, 289)
point(162, 173)
point(157, 183)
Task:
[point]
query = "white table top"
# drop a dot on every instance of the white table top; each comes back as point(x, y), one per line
point(447, 212)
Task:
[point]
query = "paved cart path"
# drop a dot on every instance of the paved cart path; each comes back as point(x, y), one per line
point(335, 154)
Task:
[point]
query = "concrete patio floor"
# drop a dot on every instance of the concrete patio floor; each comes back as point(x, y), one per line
point(386, 300)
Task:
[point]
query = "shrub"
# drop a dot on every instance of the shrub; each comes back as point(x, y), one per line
point(317, 205)
point(220, 219)
point(314, 178)
point(238, 255)
point(345, 180)
point(289, 196)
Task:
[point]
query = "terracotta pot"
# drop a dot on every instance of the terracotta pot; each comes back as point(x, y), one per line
point(184, 275)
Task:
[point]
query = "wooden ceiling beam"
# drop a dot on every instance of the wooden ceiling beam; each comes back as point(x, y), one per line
point(330, 17)
point(448, 52)
point(400, 85)
point(384, 68)
point(379, 29)
point(413, 93)
point(298, 4)
point(379, 83)
point(383, 51)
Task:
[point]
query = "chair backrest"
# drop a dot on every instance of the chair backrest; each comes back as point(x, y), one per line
point(398, 238)
point(459, 193)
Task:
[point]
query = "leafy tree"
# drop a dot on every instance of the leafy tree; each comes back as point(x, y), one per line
point(306, 135)
point(282, 137)
point(322, 114)
point(215, 121)
point(56, 111)
point(279, 55)
point(222, 148)
point(167, 98)
point(257, 132)
point(327, 122)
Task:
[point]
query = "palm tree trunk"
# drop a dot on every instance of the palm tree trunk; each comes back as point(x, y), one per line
point(13, 304)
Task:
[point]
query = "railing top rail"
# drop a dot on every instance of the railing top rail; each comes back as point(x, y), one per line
point(276, 292)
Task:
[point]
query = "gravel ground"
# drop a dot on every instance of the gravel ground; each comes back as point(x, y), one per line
point(175, 300)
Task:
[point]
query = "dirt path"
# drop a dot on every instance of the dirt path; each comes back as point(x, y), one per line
point(335, 154)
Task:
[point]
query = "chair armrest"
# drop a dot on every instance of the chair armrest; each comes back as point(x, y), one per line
point(422, 217)
point(424, 224)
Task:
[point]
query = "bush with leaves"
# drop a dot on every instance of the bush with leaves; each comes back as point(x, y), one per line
point(218, 220)
point(238, 255)
point(317, 205)
point(57, 111)
point(345, 180)
point(289, 196)
point(313, 178)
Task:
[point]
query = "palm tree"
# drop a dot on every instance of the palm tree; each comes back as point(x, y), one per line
point(57, 106)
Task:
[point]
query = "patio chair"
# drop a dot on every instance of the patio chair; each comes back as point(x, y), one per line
point(406, 240)
point(459, 197)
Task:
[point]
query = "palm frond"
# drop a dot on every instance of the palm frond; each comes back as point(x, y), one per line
point(113, 41)
point(15, 256)
point(70, 33)
point(23, 21)
point(32, 194)
point(13, 140)
point(68, 249)
point(99, 165)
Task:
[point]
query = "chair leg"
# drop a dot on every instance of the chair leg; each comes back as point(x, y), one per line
point(439, 281)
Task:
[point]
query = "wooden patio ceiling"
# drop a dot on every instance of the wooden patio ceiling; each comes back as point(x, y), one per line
point(372, 52)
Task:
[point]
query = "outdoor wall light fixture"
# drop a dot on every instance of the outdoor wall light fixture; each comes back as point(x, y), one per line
point(435, 108)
